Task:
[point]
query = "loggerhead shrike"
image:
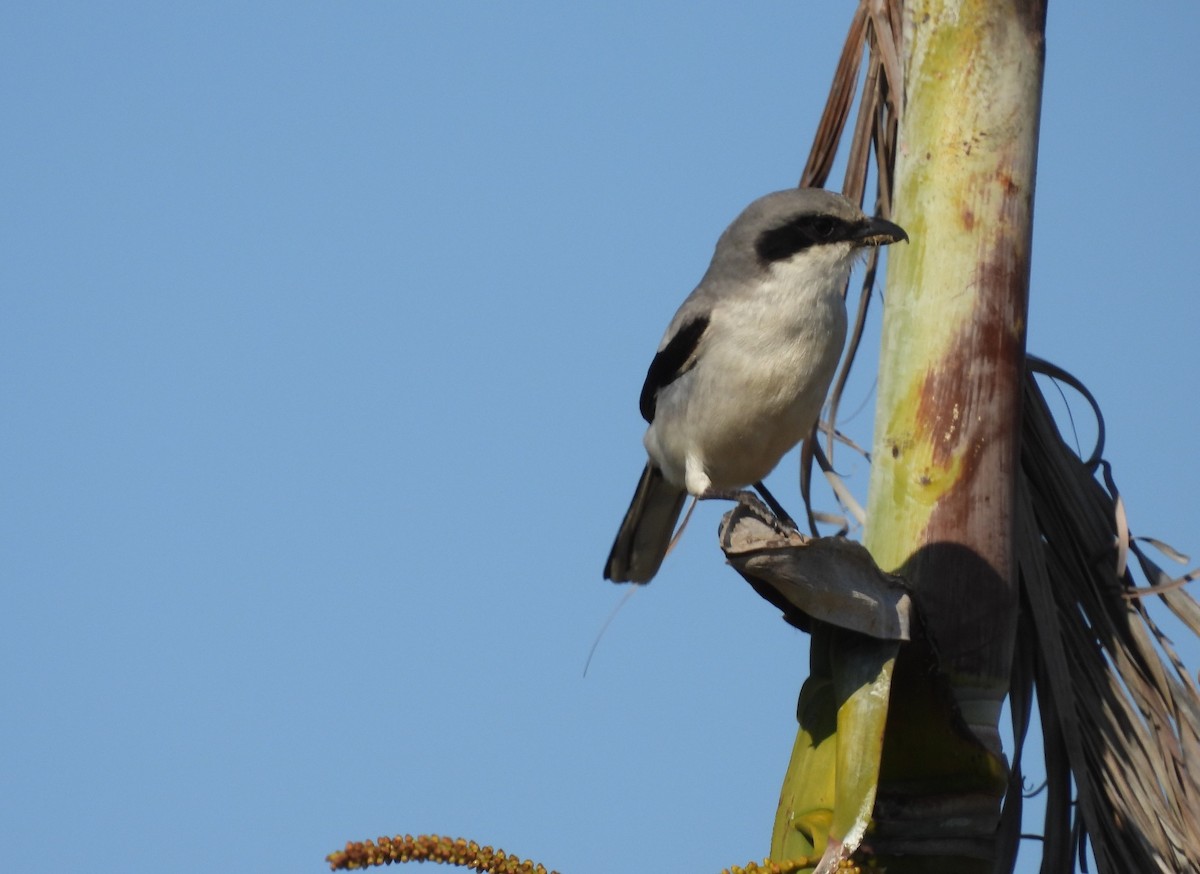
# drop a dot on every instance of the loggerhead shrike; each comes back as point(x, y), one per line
point(743, 369)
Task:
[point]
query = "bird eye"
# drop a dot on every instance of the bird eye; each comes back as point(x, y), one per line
point(822, 228)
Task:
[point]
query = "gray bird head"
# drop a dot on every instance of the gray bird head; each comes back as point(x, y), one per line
point(774, 229)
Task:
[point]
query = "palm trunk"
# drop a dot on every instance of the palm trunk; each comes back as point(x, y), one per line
point(942, 496)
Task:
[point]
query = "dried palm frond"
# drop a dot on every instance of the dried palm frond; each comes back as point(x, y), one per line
point(875, 31)
point(1120, 712)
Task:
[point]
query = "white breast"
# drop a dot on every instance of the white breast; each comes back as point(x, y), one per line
point(760, 380)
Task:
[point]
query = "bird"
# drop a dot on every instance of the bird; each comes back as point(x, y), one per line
point(742, 371)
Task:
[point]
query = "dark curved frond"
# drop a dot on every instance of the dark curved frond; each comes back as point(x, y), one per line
point(1120, 712)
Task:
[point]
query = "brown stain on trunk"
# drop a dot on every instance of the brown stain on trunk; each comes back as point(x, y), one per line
point(970, 403)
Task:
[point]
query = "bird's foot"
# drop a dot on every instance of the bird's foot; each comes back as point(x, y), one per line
point(754, 504)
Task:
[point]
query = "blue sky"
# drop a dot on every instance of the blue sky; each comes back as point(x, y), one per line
point(321, 334)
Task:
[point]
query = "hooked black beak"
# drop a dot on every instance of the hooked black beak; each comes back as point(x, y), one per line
point(879, 232)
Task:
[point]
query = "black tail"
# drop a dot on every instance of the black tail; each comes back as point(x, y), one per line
point(645, 533)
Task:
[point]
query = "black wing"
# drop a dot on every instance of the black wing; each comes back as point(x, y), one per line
point(675, 359)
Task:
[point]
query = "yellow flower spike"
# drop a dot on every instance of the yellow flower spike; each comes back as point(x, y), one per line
point(430, 848)
point(768, 866)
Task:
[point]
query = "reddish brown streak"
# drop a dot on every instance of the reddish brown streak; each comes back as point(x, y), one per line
point(970, 405)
